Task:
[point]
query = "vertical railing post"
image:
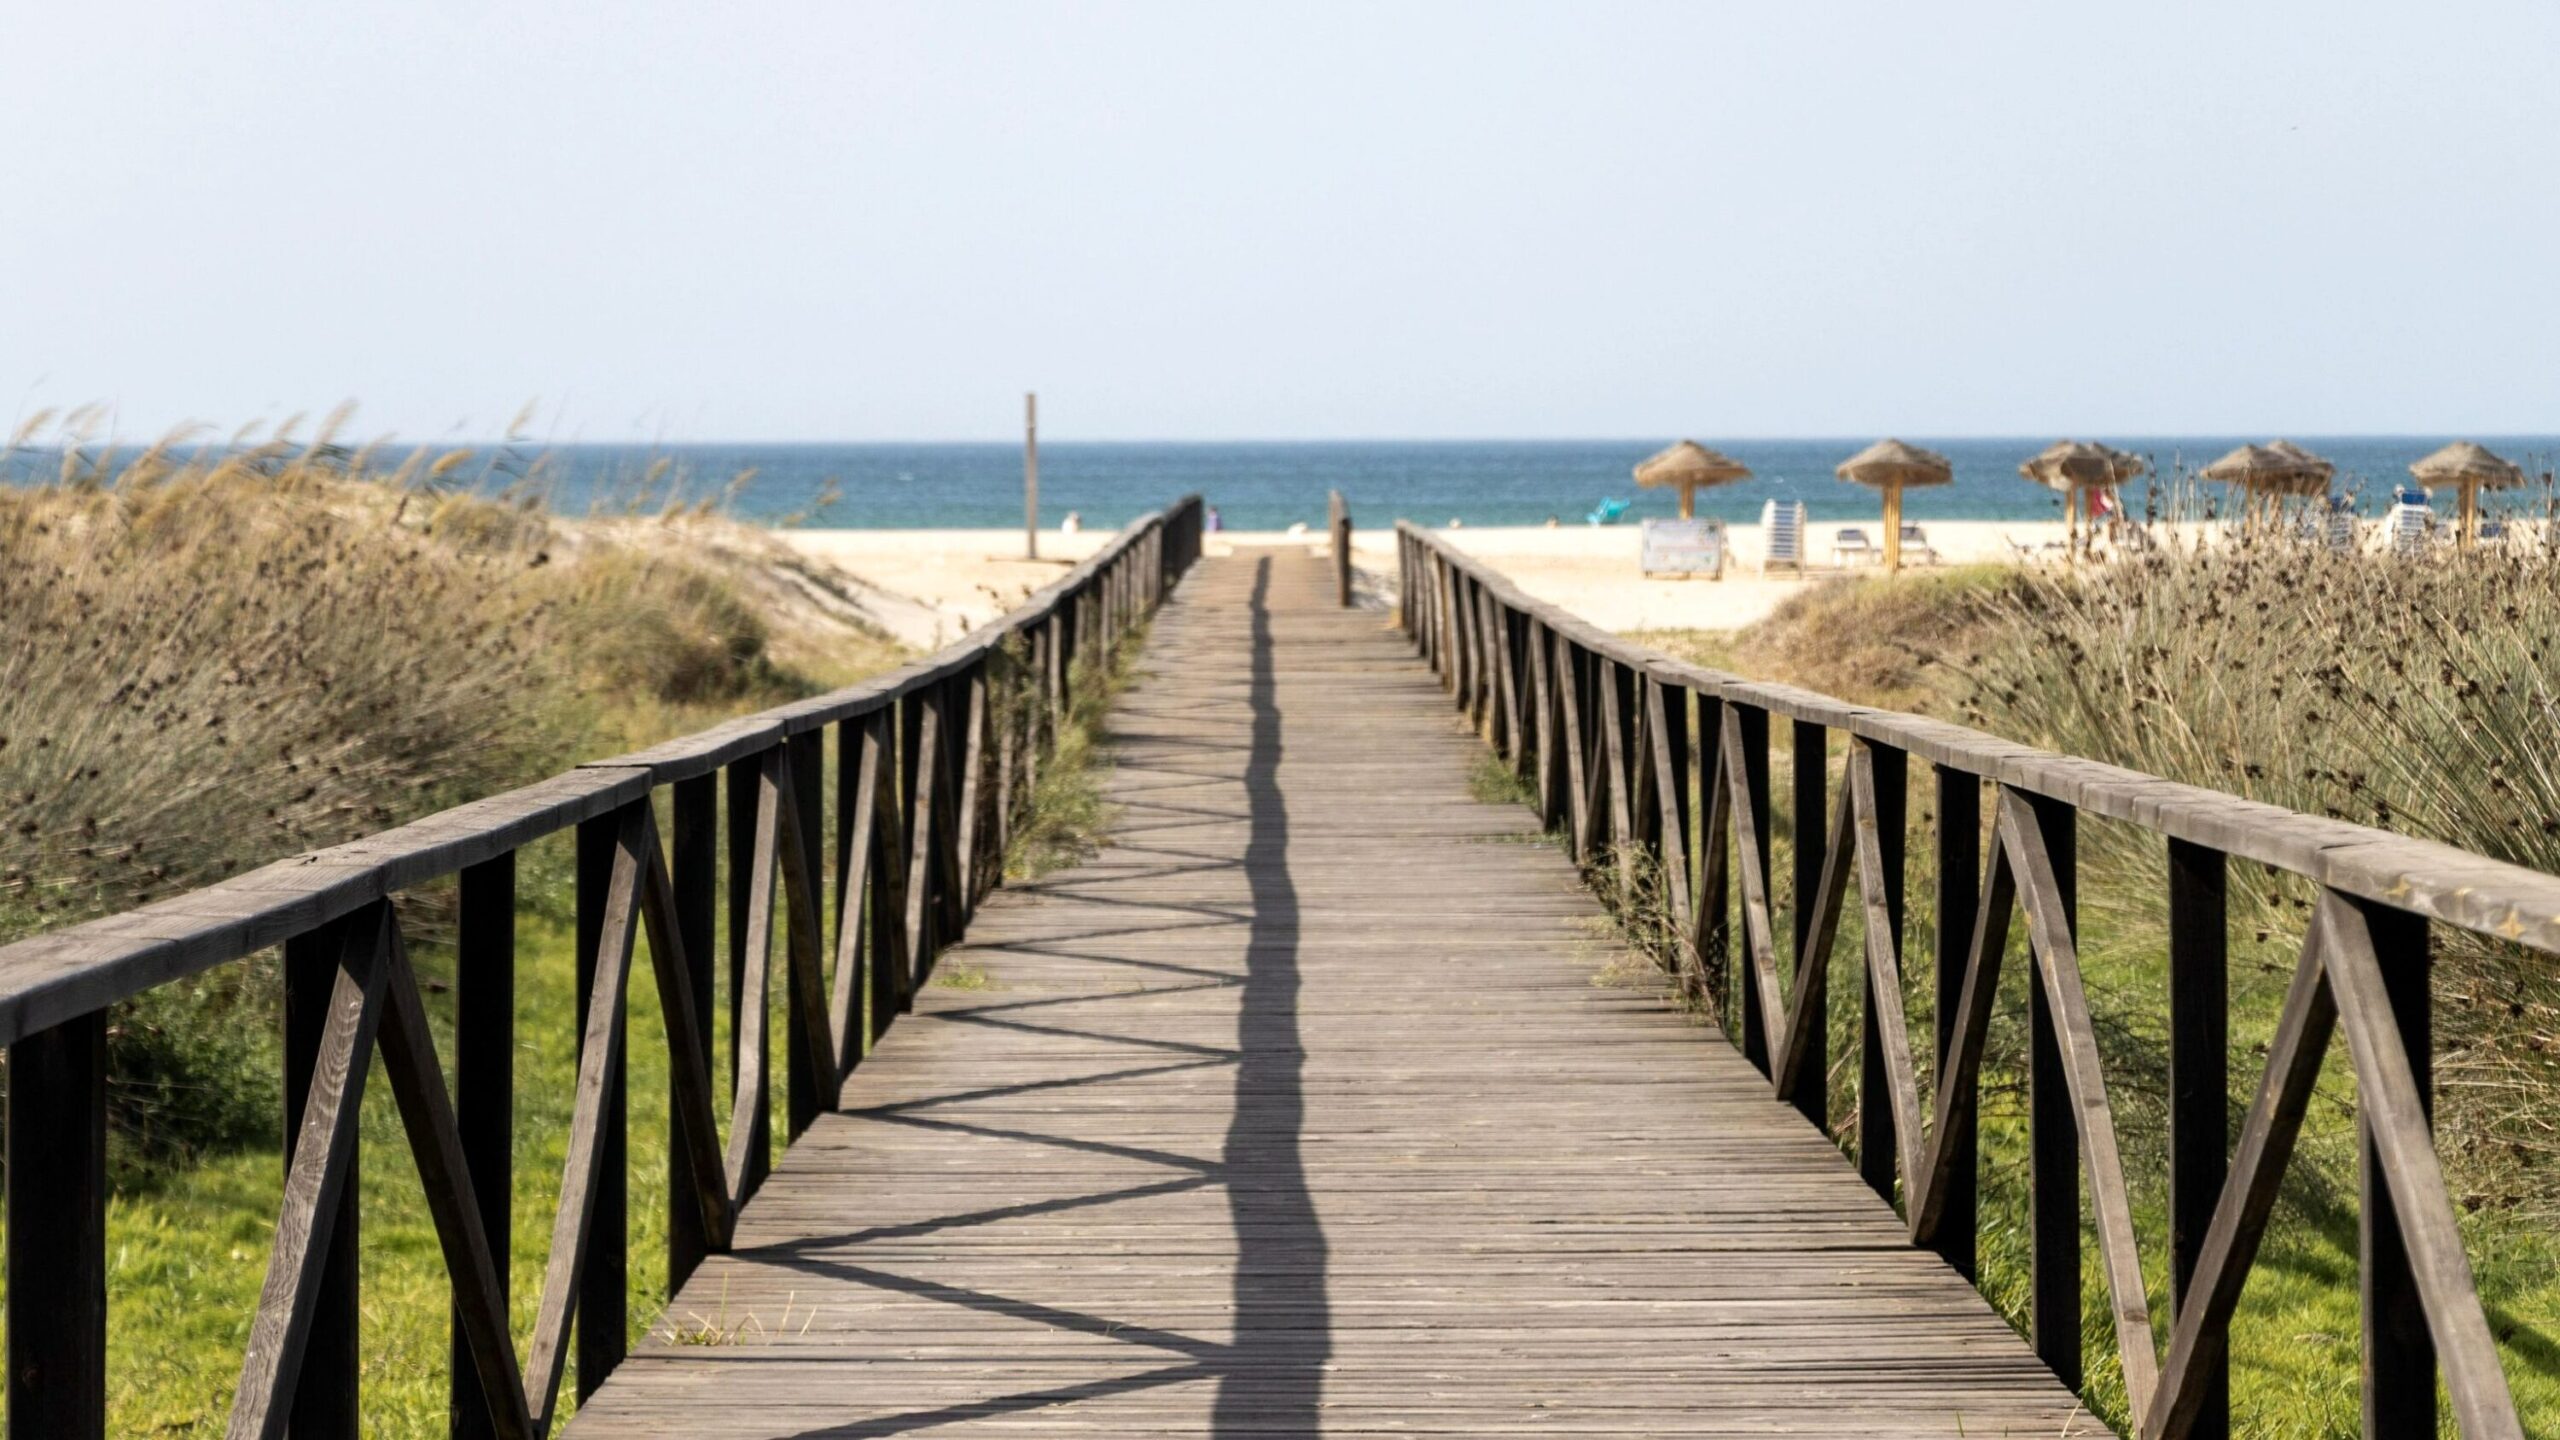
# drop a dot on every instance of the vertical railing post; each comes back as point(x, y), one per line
point(1753, 722)
point(693, 871)
point(1810, 789)
point(1676, 805)
point(916, 775)
point(2053, 1135)
point(847, 935)
point(1959, 896)
point(1711, 896)
point(1877, 1143)
point(2399, 1354)
point(484, 1098)
point(325, 1396)
point(57, 1244)
point(1405, 578)
point(886, 942)
point(808, 752)
point(745, 785)
point(2199, 1087)
point(604, 1282)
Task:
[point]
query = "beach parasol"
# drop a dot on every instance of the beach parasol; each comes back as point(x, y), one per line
point(2470, 469)
point(2274, 470)
point(1692, 467)
point(1891, 466)
point(2072, 466)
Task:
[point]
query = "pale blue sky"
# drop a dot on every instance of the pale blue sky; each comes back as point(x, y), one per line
point(845, 221)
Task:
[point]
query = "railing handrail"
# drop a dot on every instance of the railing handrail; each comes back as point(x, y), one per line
point(933, 765)
point(58, 974)
point(2427, 877)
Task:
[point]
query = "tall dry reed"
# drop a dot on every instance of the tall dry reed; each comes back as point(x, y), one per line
point(2417, 693)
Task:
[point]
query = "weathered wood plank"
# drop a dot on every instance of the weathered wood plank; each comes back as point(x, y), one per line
point(1295, 1111)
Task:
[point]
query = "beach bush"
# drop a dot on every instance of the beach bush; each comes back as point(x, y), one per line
point(2416, 695)
point(219, 660)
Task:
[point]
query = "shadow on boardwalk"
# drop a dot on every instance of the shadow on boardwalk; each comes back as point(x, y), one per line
point(1283, 1334)
point(1270, 1377)
point(1085, 1202)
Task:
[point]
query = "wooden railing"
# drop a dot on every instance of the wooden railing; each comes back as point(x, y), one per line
point(1614, 740)
point(932, 763)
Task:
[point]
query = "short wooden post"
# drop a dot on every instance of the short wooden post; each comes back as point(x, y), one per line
point(1338, 526)
point(57, 1244)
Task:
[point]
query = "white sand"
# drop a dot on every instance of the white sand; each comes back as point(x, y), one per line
point(928, 587)
point(1592, 570)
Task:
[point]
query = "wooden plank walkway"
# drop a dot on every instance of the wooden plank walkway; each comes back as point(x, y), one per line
point(1297, 1111)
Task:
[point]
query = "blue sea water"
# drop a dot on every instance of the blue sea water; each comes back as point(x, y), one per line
point(1269, 485)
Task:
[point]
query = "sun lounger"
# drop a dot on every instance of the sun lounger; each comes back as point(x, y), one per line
point(1782, 527)
point(1916, 547)
point(1851, 543)
point(2407, 526)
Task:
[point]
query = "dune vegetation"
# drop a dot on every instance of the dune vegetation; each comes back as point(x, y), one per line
point(220, 657)
point(2415, 694)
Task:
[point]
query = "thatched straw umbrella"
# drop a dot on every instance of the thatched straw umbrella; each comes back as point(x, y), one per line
point(2272, 471)
point(2470, 469)
point(1692, 467)
point(1891, 466)
point(2075, 466)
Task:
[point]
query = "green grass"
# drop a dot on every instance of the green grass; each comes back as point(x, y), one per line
point(1066, 815)
point(187, 1248)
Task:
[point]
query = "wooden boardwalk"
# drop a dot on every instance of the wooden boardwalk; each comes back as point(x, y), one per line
point(1298, 1111)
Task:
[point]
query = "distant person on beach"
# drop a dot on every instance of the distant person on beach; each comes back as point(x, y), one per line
point(1553, 523)
point(1214, 523)
point(1075, 522)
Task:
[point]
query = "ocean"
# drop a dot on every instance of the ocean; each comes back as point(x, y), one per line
point(1271, 485)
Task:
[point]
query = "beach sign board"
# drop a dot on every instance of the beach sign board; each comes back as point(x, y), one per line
point(1684, 547)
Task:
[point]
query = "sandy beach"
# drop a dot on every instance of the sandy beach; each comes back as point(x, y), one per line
point(928, 587)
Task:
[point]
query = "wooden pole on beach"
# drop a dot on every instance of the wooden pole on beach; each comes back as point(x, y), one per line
point(1031, 475)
